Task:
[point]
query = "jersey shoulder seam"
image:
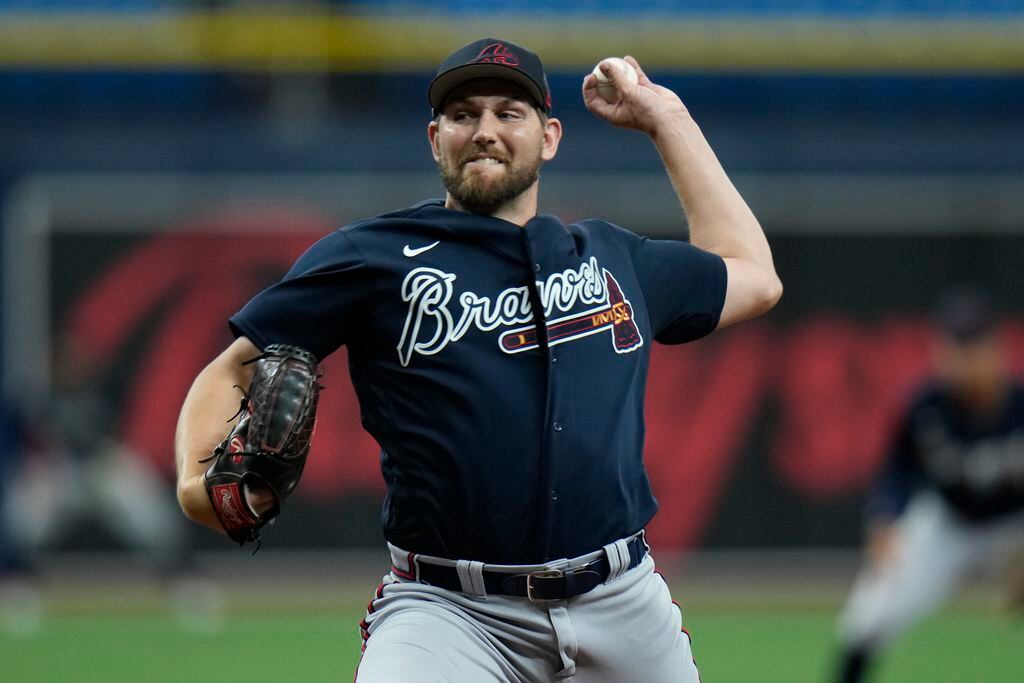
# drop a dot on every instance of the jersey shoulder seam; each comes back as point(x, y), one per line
point(622, 236)
point(352, 227)
point(384, 218)
point(602, 224)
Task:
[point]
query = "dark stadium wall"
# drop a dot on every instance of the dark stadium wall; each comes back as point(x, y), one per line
point(760, 122)
point(765, 434)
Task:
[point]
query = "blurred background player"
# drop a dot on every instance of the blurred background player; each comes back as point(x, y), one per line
point(10, 440)
point(950, 499)
point(20, 607)
point(77, 476)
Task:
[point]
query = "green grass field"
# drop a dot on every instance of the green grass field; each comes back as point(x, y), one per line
point(732, 643)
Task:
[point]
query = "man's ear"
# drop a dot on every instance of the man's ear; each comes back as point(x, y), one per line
point(552, 136)
point(432, 130)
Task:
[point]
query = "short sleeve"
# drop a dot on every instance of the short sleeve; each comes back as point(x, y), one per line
point(684, 287)
point(313, 304)
point(900, 476)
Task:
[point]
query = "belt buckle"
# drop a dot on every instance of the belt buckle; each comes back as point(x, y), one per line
point(540, 574)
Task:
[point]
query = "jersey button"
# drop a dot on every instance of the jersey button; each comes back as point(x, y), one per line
point(554, 494)
point(557, 425)
point(536, 267)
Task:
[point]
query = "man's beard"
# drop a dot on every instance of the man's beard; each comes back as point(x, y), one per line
point(479, 196)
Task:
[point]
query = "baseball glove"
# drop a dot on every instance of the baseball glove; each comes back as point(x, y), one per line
point(267, 449)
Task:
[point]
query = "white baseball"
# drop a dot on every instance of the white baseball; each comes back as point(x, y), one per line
point(605, 88)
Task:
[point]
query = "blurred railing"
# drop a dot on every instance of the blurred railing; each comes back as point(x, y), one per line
point(367, 37)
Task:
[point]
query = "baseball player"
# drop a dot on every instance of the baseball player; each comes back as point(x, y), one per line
point(951, 498)
point(20, 605)
point(500, 359)
point(10, 437)
point(83, 472)
point(79, 473)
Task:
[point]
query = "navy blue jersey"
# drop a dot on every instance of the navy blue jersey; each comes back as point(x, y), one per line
point(503, 440)
point(976, 465)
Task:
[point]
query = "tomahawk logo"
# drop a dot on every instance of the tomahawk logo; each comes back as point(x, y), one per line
point(616, 315)
point(496, 53)
point(433, 322)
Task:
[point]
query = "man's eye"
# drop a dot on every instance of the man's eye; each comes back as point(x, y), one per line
point(511, 115)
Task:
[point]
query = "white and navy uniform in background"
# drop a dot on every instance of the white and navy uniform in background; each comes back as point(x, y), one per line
point(502, 370)
point(955, 483)
point(83, 474)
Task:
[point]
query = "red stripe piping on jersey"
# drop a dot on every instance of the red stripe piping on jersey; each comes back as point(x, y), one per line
point(411, 574)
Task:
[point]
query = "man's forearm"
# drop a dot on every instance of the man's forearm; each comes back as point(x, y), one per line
point(720, 220)
point(204, 422)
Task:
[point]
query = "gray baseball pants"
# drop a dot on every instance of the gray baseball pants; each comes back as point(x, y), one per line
point(937, 553)
point(626, 629)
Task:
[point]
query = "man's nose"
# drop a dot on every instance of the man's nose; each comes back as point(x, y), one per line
point(486, 132)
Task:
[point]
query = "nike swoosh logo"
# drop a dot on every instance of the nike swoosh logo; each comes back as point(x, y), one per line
point(410, 252)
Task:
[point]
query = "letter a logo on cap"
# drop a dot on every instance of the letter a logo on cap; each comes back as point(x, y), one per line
point(496, 53)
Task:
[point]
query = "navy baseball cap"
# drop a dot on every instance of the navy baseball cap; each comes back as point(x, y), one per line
point(491, 58)
point(965, 314)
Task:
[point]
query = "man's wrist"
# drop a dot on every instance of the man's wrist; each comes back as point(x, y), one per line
point(669, 124)
point(195, 501)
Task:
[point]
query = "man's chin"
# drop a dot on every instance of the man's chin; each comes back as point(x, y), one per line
point(483, 189)
point(483, 174)
point(480, 185)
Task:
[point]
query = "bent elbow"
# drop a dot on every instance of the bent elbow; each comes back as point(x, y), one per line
point(772, 293)
point(188, 503)
point(767, 295)
point(753, 291)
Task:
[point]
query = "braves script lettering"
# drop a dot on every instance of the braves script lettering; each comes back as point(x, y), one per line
point(432, 322)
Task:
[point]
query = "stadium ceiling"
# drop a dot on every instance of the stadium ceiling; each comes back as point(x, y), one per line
point(272, 38)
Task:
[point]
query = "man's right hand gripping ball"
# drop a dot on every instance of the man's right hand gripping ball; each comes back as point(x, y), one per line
point(265, 453)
